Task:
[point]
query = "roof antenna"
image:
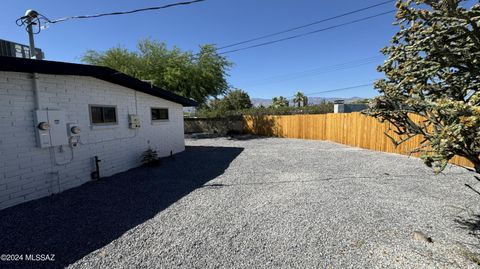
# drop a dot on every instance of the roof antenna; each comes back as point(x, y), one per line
point(30, 16)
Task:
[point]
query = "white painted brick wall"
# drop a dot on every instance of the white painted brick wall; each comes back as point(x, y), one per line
point(28, 172)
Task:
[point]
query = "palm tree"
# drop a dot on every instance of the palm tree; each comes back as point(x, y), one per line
point(300, 99)
point(279, 102)
point(283, 101)
point(305, 101)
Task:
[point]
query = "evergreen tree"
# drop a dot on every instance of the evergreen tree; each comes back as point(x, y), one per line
point(433, 70)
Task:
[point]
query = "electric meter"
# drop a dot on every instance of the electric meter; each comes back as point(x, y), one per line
point(44, 126)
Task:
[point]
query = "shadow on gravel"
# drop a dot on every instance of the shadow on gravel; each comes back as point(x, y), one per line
point(246, 137)
point(471, 224)
point(197, 136)
point(81, 220)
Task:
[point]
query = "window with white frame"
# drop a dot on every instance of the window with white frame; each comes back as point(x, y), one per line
point(103, 115)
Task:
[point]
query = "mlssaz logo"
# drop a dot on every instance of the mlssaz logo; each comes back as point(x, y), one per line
point(40, 257)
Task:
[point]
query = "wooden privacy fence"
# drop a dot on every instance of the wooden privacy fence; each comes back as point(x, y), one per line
point(353, 129)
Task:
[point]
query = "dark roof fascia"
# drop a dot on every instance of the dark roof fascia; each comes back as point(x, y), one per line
point(104, 73)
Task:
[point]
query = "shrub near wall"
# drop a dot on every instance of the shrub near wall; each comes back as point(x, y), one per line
point(221, 126)
point(232, 121)
point(322, 108)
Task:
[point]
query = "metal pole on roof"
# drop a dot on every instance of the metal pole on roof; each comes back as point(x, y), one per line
point(30, 15)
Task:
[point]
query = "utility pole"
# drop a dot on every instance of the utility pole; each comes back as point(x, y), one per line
point(30, 15)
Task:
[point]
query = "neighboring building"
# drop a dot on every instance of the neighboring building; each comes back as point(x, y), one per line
point(49, 140)
point(339, 106)
point(12, 49)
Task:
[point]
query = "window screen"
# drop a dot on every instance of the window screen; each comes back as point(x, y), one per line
point(103, 114)
point(159, 113)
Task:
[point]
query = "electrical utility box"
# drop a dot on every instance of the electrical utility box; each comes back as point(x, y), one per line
point(12, 49)
point(42, 129)
point(50, 128)
point(133, 121)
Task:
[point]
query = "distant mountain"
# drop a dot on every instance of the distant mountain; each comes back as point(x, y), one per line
point(311, 100)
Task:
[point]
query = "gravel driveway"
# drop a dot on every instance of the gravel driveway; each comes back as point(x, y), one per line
point(254, 203)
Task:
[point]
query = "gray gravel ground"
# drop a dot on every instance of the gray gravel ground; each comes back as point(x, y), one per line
point(296, 204)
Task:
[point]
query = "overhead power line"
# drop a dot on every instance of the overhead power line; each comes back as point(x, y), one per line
point(305, 25)
point(316, 71)
point(41, 18)
point(309, 33)
point(337, 90)
point(126, 12)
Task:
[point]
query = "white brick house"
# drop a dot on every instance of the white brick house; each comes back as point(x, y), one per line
point(100, 101)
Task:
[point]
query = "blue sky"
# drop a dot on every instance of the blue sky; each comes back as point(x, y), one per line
point(279, 69)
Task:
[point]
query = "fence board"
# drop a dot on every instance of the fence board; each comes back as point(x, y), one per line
point(354, 129)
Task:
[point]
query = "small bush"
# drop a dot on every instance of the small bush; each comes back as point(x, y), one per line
point(150, 158)
point(290, 110)
point(322, 108)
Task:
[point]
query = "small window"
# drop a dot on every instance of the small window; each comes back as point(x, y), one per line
point(103, 114)
point(159, 114)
